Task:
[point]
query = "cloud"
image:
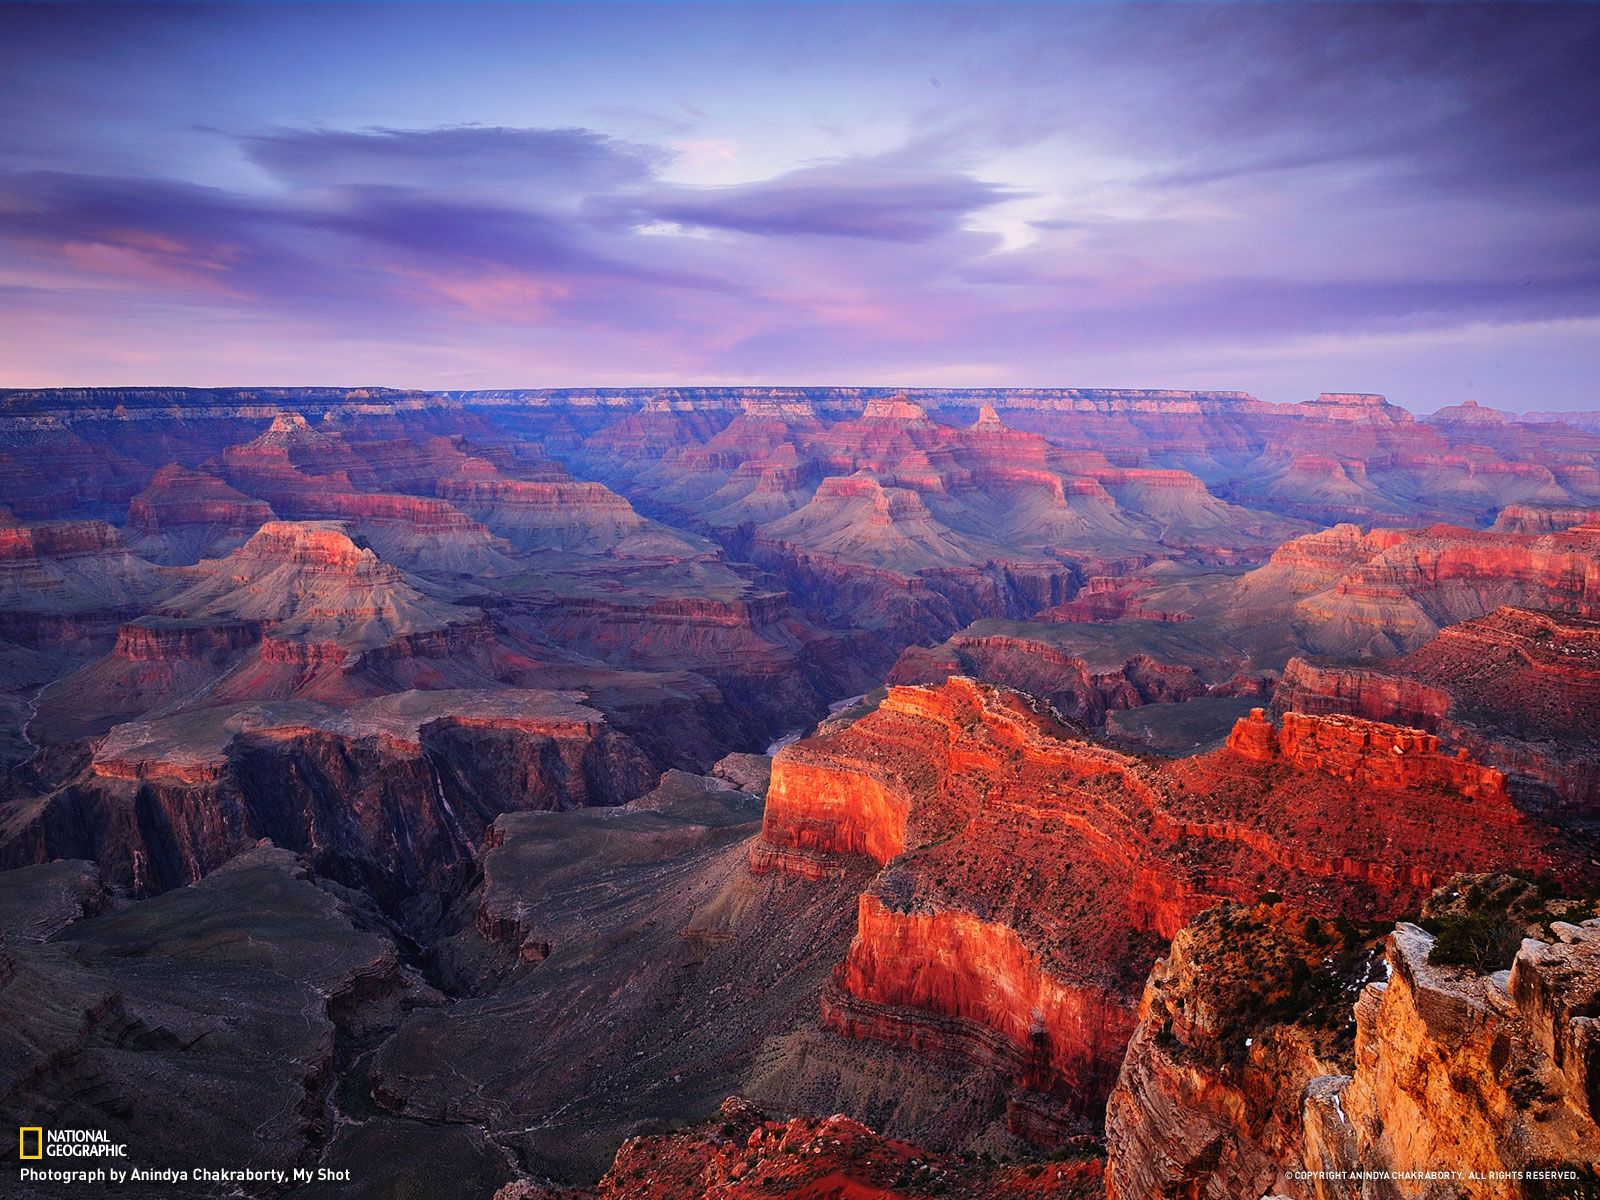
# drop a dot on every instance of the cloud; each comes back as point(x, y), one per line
point(1192, 185)
point(558, 160)
point(849, 200)
point(357, 254)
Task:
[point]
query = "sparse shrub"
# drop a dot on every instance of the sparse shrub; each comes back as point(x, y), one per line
point(1484, 941)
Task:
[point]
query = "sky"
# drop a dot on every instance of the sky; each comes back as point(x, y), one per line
point(1279, 198)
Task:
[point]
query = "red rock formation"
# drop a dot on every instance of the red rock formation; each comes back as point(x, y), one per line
point(185, 515)
point(559, 514)
point(1030, 875)
point(391, 794)
point(744, 1155)
point(1390, 591)
point(1367, 752)
point(1518, 688)
point(1035, 665)
point(48, 470)
point(1528, 519)
point(1248, 1077)
point(308, 581)
point(1107, 598)
point(156, 641)
point(978, 992)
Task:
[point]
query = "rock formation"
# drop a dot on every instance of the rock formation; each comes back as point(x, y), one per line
point(499, 668)
point(1248, 1074)
point(1388, 591)
point(745, 1155)
point(1488, 1076)
point(186, 515)
point(392, 794)
point(1032, 957)
point(1248, 1007)
point(1518, 688)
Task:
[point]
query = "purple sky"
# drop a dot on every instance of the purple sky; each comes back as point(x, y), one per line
point(1280, 198)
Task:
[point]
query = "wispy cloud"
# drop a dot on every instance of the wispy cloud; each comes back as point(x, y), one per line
point(1200, 188)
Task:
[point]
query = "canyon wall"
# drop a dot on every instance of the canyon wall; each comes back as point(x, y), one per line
point(1029, 877)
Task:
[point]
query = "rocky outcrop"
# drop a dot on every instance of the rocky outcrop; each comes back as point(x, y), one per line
point(1519, 689)
point(393, 794)
point(155, 640)
point(1248, 1007)
point(1028, 659)
point(1354, 595)
point(951, 983)
point(1531, 519)
point(66, 586)
point(1400, 598)
point(877, 551)
point(1486, 1075)
point(48, 469)
point(1248, 1077)
point(1106, 598)
point(1390, 757)
point(310, 581)
point(1030, 876)
point(745, 1155)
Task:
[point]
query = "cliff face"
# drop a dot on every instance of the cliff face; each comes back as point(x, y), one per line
point(1401, 597)
point(1484, 1073)
point(1243, 1012)
point(1518, 688)
point(977, 992)
point(1030, 876)
point(1278, 457)
point(1247, 1075)
point(393, 794)
point(1390, 757)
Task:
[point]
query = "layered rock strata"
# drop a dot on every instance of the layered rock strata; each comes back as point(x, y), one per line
point(1032, 955)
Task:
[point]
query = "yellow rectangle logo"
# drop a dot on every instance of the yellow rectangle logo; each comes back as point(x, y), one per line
point(38, 1141)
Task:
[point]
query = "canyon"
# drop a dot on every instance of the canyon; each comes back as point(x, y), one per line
point(813, 792)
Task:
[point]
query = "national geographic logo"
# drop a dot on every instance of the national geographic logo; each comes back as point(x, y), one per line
point(35, 1143)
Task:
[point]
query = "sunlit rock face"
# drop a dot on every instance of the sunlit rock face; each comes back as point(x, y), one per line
point(1277, 1054)
point(1031, 877)
point(1248, 1007)
point(1519, 688)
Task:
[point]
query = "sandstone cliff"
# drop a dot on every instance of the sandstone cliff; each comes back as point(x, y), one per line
point(1030, 877)
point(1519, 689)
point(1248, 1077)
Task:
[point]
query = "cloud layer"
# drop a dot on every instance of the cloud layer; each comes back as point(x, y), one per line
point(1402, 199)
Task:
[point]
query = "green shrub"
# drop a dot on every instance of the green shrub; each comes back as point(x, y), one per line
point(1484, 941)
